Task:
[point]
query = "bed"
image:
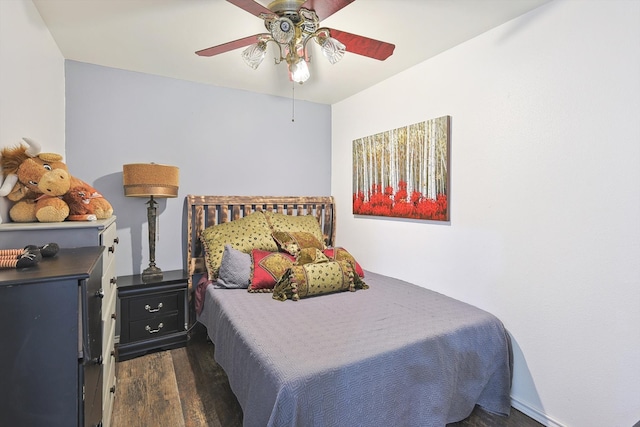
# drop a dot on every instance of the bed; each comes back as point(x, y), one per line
point(394, 354)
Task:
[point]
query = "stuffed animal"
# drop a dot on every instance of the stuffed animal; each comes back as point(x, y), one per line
point(38, 183)
point(85, 203)
point(26, 257)
point(41, 179)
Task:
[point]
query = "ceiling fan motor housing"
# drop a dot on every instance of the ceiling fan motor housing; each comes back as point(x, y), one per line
point(282, 26)
point(284, 7)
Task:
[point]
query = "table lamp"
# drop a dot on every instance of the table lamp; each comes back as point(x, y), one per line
point(150, 180)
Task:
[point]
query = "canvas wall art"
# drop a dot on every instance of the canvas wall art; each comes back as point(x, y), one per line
point(404, 172)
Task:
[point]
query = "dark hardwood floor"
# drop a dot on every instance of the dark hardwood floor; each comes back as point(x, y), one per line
point(186, 387)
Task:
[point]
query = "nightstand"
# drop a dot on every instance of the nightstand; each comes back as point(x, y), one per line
point(153, 316)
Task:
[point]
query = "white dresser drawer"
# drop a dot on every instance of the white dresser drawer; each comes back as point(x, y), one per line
point(109, 383)
point(108, 326)
point(110, 290)
point(110, 242)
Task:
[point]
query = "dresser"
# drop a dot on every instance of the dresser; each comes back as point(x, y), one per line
point(51, 332)
point(154, 315)
point(75, 234)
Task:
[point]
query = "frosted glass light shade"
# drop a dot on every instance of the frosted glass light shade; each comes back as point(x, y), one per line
point(254, 54)
point(299, 71)
point(333, 49)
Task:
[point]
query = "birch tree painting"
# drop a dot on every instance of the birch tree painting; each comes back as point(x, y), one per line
point(403, 172)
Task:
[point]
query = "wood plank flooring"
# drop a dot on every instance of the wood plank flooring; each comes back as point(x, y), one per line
point(185, 387)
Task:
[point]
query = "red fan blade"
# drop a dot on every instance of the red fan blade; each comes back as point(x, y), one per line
point(363, 45)
point(226, 47)
point(325, 8)
point(251, 6)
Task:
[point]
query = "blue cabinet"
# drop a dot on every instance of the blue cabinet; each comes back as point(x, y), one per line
point(51, 334)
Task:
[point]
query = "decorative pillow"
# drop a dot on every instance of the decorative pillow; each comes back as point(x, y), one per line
point(292, 242)
point(311, 255)
point(342, 254)
point(301, 281)
point(244, 234)
point(267, 268)
point(294, 223)
point(235, 269)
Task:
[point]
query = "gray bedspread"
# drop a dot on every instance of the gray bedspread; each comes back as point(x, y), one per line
point(392, 355)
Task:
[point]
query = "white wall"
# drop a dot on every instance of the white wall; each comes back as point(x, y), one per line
point(545, 200)
point(31, 82)
point(225, 142)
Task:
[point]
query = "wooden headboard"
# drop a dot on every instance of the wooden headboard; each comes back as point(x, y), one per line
point(204, 211)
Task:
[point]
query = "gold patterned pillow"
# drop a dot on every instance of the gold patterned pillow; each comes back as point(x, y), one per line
point(302, 281)
point(267, 268)
point(341, 253)
point(311, 255)
point(292, 242)
point(244, 234)
point(291, 223)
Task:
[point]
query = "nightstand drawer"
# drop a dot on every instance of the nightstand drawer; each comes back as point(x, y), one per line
point(148, 306)
point(156, 326)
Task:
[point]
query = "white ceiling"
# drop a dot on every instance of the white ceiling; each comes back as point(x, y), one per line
point(160, 37)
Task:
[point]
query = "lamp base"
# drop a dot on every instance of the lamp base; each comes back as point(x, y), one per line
point(151, 274)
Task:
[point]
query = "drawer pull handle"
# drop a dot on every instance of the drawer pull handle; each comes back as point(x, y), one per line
point(112, 389)
point(113, 280)
point(100, 293)
point(116, 240)
point(114, 316)
point(153, 331)
point(112, 248)
point(153, 310)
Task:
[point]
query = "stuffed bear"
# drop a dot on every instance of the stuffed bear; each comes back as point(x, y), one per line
point(38, 183)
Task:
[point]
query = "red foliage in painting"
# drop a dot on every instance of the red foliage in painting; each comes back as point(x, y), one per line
point(397, 204)
point(416, 196)
point(358, 201)
point(401, 194)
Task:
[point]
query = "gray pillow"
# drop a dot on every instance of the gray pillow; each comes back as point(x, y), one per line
point(235, 269)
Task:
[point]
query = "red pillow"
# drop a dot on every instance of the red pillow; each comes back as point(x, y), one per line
point(339, 254)
point(267, 268)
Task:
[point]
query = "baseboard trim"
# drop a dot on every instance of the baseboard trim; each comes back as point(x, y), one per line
point(540, 417)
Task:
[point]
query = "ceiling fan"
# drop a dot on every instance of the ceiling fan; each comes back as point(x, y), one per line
point(291, 24)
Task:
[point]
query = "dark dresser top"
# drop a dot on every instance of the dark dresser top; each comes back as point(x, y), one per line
point(66, 264)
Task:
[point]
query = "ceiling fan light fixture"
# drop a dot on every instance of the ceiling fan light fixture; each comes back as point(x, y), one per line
point(254, 54)
point(299, 71)
point(291, 24)
point(332, 49)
